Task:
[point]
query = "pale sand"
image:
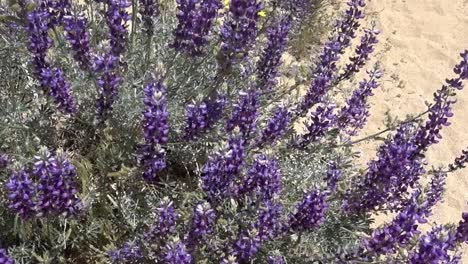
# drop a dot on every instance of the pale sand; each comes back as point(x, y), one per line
point(420, 44)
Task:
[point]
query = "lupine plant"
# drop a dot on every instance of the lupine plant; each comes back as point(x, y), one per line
point(159, 131)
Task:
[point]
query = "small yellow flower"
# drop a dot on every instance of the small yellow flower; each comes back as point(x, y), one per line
point(227, 3)
point(262, 13)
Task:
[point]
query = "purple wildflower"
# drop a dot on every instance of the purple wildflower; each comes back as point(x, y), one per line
point(156, 130)
point(117, 18)
point(246, 247)
point(196, 19)
point(310, 213)
point(4, 160)
point(177, 254)
point(22, 194)
point(203, 116)
point(435, 191)
point(245, 113)
point(353, 116)
point(459, 162)
point(240, 29)
point(148, 10)
point(4, 258)
point(52, 80)
point(165, 225)
point(57, 189)
point(128, 253)
point(441, 111)
point(390, 176)
point(276, 260)
point(264, 178)
point(326, 67)
point(220, 171)
point(270, 61)
point(434, 247)
point(322, 120)
point(269, 223)
point(334, 174)
point(462, 229)
point(77, 35)
point(203, 220)
point(398, 232)
point(363, 51)
point(276, 127)
point(108, 83)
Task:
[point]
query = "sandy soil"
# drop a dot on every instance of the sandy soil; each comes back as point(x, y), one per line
point(420, 44)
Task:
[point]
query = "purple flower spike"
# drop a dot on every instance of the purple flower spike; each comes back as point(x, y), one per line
point(326, 67)
point(77, 35)
point(310, 213)
point(269, 223)
point(203, 117)
point(165, 225)
point(240, 29)
point(460, 162)
point(156, 130)
point(117, 18)
point(435, 191)
point(203, 220)
point(322, 120)
point(246, 247)
point(245, 113)
point(276, 127)
point(57, 191)
point(363, 51)
point(264, 178)
point(128, 253)
point(220, 171)
point(353, 116)
point(434, 247)
point(177, 254)
point(52, 80)
point(196, 19)
point(149, 9)
point(270, 61)
point(22, 194)
point(4, 258)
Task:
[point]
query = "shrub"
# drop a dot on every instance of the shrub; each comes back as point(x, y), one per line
point(168, 136)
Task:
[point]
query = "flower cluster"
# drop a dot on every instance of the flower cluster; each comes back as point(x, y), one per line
point(196, 19)
point(246, 247)
point(108, 83)
point(245, 113)
point(241, 28)
point(128, 253)
point(270, 61)
point(435, 191)
point(310, 213)
point(22, 194)
point(148, 10)
point(55, 192)
point(434, 247)
point(57, 187)
point(363, 51)
point(326, 67)
point(203, 116)
point(203, 220)
point(462, 229)
point(269, 223)
point(220, 171)
point(4, 258)
point(264, 178)
point(156, 130)
point(276, 126)
point(353, 116)
point(459, 162)
point(51, 79)
point(165, 225)
point(177, 254)
point(117, 17)
point(77, 35)
point(322, 120)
